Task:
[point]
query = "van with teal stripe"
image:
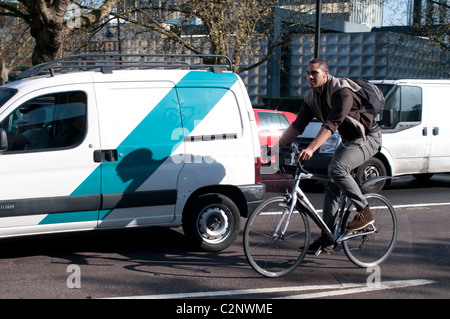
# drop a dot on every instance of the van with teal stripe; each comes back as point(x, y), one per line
point(113, 141)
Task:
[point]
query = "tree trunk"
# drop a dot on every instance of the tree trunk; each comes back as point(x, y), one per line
point(48, 28)
point(4, 71)
point(49, 42)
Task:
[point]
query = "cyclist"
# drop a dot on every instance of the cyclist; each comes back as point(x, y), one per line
point(333, 101)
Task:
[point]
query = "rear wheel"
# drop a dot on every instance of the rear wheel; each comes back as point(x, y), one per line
point(212, 223)
point(378, 240)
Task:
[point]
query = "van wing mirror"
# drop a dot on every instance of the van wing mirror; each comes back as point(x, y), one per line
point(3, 140)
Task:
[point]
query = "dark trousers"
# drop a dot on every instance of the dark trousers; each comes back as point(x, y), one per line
point(348, 156)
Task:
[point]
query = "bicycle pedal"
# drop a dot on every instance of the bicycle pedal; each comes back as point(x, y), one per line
point(318, 252)
point(323, 251)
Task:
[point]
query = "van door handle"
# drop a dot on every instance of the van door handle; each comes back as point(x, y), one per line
point(425, 131)
point(105, 156)
point(435, 131)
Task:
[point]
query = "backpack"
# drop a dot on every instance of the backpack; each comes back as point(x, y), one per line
point(372, 98)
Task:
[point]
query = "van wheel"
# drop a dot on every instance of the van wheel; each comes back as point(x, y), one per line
point(370, 169)
point(212, 223)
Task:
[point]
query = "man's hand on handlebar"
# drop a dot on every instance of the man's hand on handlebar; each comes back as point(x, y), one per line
point(304, 155)
point(300, 155)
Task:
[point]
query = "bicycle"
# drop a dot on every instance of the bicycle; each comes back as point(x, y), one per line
point(276, 235)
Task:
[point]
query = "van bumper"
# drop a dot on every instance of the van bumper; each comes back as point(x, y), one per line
point(254, 195)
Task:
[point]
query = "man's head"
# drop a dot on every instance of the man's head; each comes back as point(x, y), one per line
point(317, 73)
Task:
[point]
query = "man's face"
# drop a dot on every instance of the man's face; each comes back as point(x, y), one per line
point(315, 75)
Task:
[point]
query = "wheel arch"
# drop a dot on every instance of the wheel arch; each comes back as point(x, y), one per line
point(387, 165)
point(230, 191)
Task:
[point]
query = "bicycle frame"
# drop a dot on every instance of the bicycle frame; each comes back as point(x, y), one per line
point(297, 196)
point(277, 253)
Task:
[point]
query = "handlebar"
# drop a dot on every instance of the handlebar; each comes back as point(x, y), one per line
point(294, 152)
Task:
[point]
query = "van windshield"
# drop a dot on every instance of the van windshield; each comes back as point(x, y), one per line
point(5, 95)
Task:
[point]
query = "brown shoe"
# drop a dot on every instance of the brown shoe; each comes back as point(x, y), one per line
point(362, 219)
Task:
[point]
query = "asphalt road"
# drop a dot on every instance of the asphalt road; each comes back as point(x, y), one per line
point(156, 263)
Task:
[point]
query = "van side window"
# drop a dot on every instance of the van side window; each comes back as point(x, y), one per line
point(47, 122)
point(411, 104)
point(218, 103)
point(403, 104)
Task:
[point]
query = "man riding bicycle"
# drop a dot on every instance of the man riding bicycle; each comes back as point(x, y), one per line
point(334, 102)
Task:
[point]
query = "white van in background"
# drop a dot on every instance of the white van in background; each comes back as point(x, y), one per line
point(113, 141)
point(416, 133)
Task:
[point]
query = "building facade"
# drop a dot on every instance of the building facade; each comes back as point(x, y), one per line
point(354, 47)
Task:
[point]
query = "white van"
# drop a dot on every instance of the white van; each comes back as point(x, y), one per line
point(416, 135)
point(95, 142)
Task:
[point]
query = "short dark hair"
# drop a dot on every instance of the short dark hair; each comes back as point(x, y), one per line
point(322, 63)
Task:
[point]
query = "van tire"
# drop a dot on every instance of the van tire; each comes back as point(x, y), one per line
point(372, 168)
point(212, 222)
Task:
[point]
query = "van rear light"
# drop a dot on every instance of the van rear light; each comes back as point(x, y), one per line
point(258, 165)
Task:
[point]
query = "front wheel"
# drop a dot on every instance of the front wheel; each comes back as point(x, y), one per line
point(269, 252)
point(212, 223)
point(375, 246)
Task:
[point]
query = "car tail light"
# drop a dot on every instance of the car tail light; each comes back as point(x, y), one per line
point(258, 165)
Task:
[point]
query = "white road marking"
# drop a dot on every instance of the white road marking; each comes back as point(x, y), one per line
point(421, 205)
point(332, 290)
point(365, 288)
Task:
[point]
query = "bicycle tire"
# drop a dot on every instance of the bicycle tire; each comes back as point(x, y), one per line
point(370, 250)
point(275, 257)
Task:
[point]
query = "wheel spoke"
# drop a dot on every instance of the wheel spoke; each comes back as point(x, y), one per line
point(373, 248)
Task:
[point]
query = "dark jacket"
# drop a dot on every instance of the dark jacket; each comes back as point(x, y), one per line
point(337, 107)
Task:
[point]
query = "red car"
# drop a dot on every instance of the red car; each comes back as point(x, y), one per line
point(272, 124)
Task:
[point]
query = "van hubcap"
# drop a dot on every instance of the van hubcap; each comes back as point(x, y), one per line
point(214, 224)
point(371, 171)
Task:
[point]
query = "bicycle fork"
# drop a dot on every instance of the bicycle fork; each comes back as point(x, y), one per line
point(285, 218)
point(291, 199)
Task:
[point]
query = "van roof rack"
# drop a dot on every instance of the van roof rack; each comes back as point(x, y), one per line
point(106, 63)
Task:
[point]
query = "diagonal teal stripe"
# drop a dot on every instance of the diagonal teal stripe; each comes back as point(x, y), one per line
point(152, 141)
point(146, 148)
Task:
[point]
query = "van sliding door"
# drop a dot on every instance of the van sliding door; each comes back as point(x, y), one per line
point(139, 127)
